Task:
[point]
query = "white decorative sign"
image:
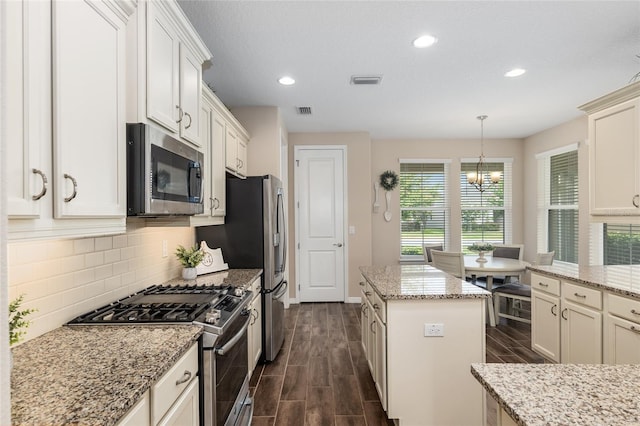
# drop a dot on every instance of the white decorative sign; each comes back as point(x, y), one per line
point(212, 260)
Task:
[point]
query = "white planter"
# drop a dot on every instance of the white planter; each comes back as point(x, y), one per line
point(189, 273)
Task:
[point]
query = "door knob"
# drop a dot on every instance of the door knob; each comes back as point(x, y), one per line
point(338, 244)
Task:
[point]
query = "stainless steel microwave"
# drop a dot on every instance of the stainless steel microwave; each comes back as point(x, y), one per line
point(164, 175)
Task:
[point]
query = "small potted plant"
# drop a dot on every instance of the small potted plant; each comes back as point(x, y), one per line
point(17, 322)
point(481, 249)
point(189, 258)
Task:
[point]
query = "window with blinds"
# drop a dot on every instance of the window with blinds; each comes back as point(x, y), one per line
point(423, 206)
point(486, 216)
point(558, 205)
point(621, 244)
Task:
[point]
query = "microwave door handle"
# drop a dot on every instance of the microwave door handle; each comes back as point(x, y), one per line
point(194, 167)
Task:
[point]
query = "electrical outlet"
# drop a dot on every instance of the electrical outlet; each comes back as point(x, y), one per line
point(165, 252)
point(433, 330)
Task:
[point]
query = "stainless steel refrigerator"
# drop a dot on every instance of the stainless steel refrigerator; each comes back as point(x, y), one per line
point(254, 236)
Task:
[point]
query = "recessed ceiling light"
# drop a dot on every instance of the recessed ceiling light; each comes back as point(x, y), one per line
point(516, 72)
point(424, 41)
point(286, 81)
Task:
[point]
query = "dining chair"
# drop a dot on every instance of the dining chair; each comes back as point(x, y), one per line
point(426, 249)
point(453, 263)
point(515, 293)
point(507, 251)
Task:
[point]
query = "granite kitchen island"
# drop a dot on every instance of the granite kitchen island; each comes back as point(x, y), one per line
point(421, 331)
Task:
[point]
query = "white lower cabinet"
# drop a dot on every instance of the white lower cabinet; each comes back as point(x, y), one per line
point(184, 412)
point(139, 414)
point(374, 339)
point(254, 332)
point(170, 396)
point(622, 331)
point(566, 320)
point(380, 371)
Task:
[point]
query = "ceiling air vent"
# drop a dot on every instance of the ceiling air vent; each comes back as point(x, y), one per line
point(304, 110)
point(366, 79)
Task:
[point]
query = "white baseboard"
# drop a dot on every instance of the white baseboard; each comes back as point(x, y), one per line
point(295, 301)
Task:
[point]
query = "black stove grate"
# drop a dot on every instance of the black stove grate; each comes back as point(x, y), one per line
point(120, 313)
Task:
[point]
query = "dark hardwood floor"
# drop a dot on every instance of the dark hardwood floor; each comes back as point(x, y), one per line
point(321, 375)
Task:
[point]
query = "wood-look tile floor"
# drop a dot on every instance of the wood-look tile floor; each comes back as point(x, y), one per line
point(321, 376)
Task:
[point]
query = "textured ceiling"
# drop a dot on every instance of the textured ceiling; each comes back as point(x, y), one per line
point(573, 51)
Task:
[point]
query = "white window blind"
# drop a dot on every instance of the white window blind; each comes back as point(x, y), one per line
point(558, 205)
point(486, 216)
point(423, 206)
point(621, 244)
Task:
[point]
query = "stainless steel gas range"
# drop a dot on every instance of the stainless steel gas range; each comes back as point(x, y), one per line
point(221, 311)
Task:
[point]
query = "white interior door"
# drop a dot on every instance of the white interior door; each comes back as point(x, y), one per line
point(319, 181)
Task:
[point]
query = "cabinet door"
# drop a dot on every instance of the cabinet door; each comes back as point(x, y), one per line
point(614, 176)
point(231, 144)
point(623, 341)
point(581, 334)
point(545, 324)
point(88, 110)
point(218, 176)
point(190, 91)
point(163, 70)
point(185, 410)
point(206, 127)
point(364, 324)
point(381, 361)
point(256, 331)
point(139, 414)
point(371, 340)
point(26, 31)
point(242, 157)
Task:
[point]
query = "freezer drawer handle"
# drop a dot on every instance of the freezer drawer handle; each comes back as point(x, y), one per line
point(284, 290)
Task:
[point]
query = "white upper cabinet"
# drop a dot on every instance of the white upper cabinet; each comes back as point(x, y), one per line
point(174, 57)
point(614, 155)
point(88, 110)
point(66, 88)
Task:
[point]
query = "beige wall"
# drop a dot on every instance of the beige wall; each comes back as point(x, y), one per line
point(562, 135)
point(385, 155)
point(359, 198)
point(66, 278)
point(265, 127)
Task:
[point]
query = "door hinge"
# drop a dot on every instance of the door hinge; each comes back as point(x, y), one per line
point(297, 163)
point(298, 246)
point(298, 204)
point(298, 287)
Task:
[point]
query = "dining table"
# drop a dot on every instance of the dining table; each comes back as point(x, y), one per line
point(491, 267)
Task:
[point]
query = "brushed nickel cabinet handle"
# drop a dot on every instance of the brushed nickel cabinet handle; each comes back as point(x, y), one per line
point(189, 116)
point(634, 329)
point(375, 306)
point(44, 184)
point(216, 203)
point(338, 244)
point(75, 188)
point(361, 283)
point(582, 296)
point(634, 312)
point(562, 314)
point(555, 314)
point(541, 284)
point(185, 378)
point(635, 200)
point(367, 293)
point(373, 330)
point(180, 113)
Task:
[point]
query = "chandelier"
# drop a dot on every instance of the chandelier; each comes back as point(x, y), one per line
point(482, 179)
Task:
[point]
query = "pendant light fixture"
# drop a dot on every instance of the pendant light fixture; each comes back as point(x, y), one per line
point(481, 179)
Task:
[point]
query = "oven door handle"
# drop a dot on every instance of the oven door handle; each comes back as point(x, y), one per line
point(235, 339)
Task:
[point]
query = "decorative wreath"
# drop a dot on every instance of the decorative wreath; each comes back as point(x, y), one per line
point(388, 180)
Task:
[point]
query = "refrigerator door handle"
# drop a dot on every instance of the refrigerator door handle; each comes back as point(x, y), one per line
point(282, 227)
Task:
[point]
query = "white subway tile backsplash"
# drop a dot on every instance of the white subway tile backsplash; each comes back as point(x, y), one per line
point(94, 259)
point(85, 245)
point(104, 243)
point(67, 278)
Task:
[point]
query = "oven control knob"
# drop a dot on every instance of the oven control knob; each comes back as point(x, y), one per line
point(238, 291)
point(212, 316)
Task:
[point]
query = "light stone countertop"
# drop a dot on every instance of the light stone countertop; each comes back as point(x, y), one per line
point(564, 394)
point(416, 282)
point(620, 279)
point(234, 277)
point(91, 375)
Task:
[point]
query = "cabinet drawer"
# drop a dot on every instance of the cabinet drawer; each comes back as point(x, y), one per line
point(255, 287)
point(624, 307)
point(546, 284)
point(369, 292)
point(380, 307)
point(170, 386)
point(584, 296)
